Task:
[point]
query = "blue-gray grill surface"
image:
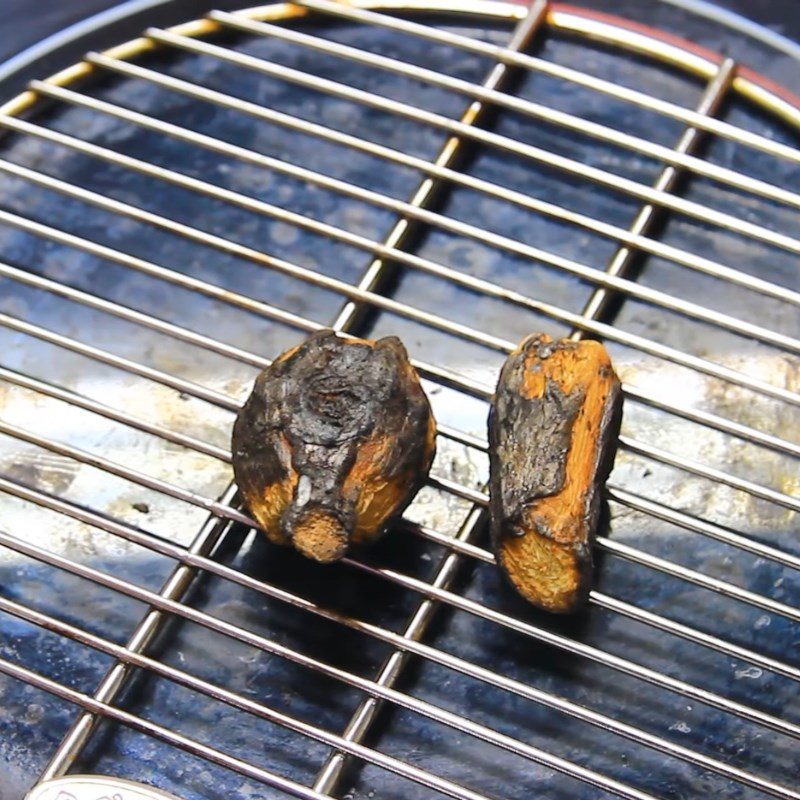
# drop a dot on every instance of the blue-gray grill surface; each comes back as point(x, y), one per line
point(736, 545)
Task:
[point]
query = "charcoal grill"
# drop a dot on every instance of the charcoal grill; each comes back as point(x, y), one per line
point(178, 209)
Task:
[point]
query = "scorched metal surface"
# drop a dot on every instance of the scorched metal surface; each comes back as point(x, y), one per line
point(134, 335)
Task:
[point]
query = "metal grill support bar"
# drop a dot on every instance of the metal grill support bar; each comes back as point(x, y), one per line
point(364, 716)
point(616, 493)
point(648, 215)
point(175, 588)
point(607, 279)
point(448, 157)
point(432, 594)
point(223, 401)
point(643, 344)
point(594, 175)
point(259, 307)
point(677, 157)
point(97, 708)
point(633, 612)
point(306, 127)
point(528, 629)
point(422, 707)
point(691, 118)
point(170, 550)
point(132, 659)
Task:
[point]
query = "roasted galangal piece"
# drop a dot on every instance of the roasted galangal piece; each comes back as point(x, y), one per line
point(553, 429)
point(333, 443)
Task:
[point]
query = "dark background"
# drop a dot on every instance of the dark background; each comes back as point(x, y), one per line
point(24, 23)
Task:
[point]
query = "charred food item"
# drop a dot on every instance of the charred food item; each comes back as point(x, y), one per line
point(333, 443)
point(553, 430)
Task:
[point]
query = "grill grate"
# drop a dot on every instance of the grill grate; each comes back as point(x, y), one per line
point(561, 205)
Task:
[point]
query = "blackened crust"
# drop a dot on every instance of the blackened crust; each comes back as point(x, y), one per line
point(542, 528)
point(333, 443)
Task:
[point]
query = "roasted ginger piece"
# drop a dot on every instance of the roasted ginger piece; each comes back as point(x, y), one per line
point(333, 443)
point(553, 429)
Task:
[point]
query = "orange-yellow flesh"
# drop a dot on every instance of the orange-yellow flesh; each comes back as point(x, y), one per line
point(544, 567)
point(319, 536)
point(268, 506)
point(287, 355)
point(586, 368)
point(376, 497)
point(545, 572)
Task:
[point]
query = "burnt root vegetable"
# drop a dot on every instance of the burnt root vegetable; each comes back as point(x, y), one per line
point(333, 443)
point(553, 428)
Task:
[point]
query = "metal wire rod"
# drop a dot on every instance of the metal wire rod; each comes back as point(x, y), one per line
point(158, 732)
point(184, 334)
point(466, 333)
point(715, 92)
point(306, 127)
point(646, 450)
point(151, 269)
point(479, 498)
point(146, 539)
point(690, 634)
point(259, 307)
point(223, 510)
point(414, 704)
point(234, 700)
point(716, 475)
point(125, 364)
point(131, 315)
point(187, 387)
point(482, 499)
point(588, 273)
point(377, 273)
point(123, 417)
point(715, 421)
point(674, 570)
point(606, 331)
point(223, 401)
point(109, 687)
point(621, 607)
point(473, 495)
point(614, 492)
point(500, 53)
point(528, 108)
point(528, 629)
point(723, 424)
point(578, 648)
point(645, 559)
point(660, 511)
point(711, 473)
point(607, 279)
point(599, 176)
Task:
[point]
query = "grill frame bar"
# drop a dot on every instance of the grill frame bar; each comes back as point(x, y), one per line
point(426, 194)
point(652, 246)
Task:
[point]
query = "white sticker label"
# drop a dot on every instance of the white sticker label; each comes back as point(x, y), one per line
point(95, 787)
